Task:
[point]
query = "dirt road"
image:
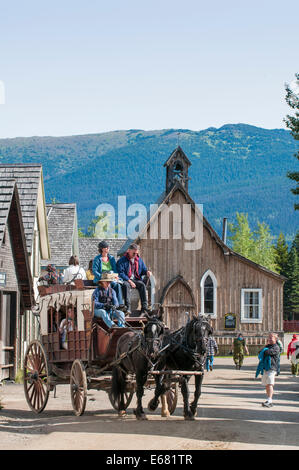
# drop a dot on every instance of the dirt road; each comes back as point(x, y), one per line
point(230, 416)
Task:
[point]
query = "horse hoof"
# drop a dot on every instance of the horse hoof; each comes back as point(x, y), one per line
point(122, 413)
point(165, 415)
point(141, 417)
point(189, 418)
point(152, 406)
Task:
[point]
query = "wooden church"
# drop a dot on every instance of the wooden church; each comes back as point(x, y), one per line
point(237, 293)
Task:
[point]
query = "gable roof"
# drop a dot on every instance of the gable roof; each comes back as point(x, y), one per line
point(88, 248)
point(63, 233)
point(30, 188)
point(225, 249)
point(11, 217)
point(177, 152)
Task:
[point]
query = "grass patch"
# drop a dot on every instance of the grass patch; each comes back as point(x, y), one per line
point(19, 379)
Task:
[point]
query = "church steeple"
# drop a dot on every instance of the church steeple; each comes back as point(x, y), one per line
point(177, 167)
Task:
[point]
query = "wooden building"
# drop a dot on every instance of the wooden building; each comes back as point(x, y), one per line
point(237, 293)
point(29, 180)
point(16, 285)
point(63, 234)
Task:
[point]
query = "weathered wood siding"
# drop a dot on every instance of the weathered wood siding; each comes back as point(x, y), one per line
point(167, 259)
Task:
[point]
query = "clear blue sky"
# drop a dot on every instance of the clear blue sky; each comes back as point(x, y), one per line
point(74, 67)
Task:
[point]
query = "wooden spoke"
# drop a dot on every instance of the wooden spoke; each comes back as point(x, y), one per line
point(127, 400)
point(78, 386)
point(172, 398)
point(36, 377)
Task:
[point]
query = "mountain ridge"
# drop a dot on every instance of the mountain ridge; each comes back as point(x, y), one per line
point(236, 167)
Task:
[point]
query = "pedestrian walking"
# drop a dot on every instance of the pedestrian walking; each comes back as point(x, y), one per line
point(293, 346)
point(281, 351)
point(212, 349)
point(239, 348)
point(271, 353)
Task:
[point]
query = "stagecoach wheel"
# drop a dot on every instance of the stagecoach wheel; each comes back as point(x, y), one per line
point(36, 377)
point(78, 384)
point(172, 398)
point(127, 400)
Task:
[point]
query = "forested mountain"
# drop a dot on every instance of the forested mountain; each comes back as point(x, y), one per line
point(234, 168)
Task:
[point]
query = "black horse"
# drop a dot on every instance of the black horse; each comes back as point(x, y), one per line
point(138, 350)
point(184, 350)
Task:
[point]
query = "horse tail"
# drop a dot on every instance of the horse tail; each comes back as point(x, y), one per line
point(117, 386)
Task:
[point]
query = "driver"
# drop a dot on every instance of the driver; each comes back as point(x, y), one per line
point(106, 303)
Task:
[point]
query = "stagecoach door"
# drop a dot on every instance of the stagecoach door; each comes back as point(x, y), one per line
point(7, 334)
point(177, 301)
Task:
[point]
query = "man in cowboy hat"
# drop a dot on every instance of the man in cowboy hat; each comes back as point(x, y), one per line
point(106, 303)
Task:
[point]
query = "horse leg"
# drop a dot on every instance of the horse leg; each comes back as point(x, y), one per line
point(159, 390)
point(197, 393)
point(140, 381)
point(185, 392)
point(118, 389)
point(164, 411)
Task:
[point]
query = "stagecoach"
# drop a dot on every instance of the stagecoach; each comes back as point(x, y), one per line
point(86, 356)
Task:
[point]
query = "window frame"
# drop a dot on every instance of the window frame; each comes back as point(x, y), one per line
point(202, 293)
point(260, 305)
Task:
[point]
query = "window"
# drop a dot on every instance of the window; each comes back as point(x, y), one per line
point(251, 305)
point(208, 286)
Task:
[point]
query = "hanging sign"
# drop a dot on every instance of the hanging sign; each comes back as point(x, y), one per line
point(230, 320)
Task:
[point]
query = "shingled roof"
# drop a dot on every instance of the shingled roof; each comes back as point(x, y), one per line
point(88, 248)
point(11, 216)
point(28, 181)
point(63, 231)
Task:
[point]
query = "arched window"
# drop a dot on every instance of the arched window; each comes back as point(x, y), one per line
point(208, 286)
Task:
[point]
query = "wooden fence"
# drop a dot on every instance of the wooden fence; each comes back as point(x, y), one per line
point(290, 326)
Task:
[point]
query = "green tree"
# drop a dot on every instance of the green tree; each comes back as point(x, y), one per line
point(281, 254)
point(291, 286)
point(256, 246)
point(263, 252)
point(292, 122)
point(81, 234)
point(242, 237)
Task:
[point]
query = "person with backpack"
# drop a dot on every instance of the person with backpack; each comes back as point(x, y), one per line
point(73, 272)
point(270, 359)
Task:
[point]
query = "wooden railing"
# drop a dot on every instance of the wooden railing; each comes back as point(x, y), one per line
point(290, 326)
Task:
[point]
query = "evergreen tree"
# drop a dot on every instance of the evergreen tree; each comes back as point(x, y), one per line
point(292, 122)
point(291, 286)
point(281, 254)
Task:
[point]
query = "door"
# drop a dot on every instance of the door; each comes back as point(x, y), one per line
point(177, 302)
point(7, 334)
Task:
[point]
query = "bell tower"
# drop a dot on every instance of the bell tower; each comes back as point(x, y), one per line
point(177, 167)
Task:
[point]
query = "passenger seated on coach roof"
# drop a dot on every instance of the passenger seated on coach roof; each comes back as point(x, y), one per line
point(105, 263)
point(51, 277)
point(74, 271)
point(131, 269)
